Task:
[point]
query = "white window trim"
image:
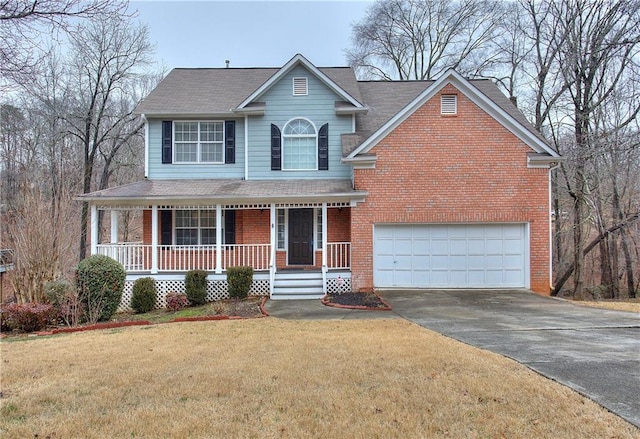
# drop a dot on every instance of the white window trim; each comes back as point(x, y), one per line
point(297, 80)
point(282, 143)
point(198, 151)
point(175, 228)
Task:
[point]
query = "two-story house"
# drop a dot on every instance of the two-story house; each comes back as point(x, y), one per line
point(323, 183)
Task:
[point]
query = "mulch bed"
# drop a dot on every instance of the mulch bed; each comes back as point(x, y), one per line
point(367, 301)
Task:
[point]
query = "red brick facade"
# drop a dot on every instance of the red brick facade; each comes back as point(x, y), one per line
point(465, 168)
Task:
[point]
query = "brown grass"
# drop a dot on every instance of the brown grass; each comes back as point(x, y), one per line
point(631, 305)
point(278, 378)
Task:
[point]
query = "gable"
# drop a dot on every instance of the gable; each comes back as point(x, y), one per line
point(295, 63)
point(508, 119)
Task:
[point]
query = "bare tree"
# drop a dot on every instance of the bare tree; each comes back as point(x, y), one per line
point(108, 57)
point(418, 39)
point(602, 40)
point(27, 28)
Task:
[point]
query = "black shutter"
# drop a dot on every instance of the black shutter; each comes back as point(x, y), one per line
point(166, 229)
point(276, 149)
point(230, 141)
point(323, 148)
point(167, 141)
point(229, 226)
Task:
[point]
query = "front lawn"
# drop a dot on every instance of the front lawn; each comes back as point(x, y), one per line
point(279, 378)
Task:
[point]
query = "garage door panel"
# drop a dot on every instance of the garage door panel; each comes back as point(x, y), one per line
point(476, 246)
point(450, 256)
point(458, 246)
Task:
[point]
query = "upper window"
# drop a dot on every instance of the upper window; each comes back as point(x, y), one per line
point(449, 104)
point(195, 227)
point(299, 146)
point(199, 142)
point(300, 87)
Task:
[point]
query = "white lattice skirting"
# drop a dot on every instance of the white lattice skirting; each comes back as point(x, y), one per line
point(338, 285)
point(216, 290)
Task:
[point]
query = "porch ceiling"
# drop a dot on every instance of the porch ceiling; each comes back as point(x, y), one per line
point(225, 191)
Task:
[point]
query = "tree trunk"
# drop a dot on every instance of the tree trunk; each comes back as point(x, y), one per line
point(569, 271)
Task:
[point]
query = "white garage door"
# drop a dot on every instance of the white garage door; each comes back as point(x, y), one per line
point(450, 256)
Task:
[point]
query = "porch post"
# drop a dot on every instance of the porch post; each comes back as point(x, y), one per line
point(218, 238)
point(94, 229)
point(324, 248)
point(272, 247)
point(154, 239)
point(324, 235)
point(114, 226)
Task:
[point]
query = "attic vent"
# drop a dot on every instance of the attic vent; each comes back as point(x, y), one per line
point(300, 87)
point(449, 104)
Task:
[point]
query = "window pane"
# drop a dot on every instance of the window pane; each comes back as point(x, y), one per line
point(211, 152)
point(299, 153)
point(186, 152)
point(186, 131)
point(211, 131)
point(299, 127)
point(186, 218)
point(208, 236)
point(207, 218)
point(281, 228)
point(187, 236)
point(319, 231)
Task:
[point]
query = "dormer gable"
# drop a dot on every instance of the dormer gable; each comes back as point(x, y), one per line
point(299, 87)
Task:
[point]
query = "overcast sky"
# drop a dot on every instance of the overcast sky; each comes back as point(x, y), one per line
point(249, 33)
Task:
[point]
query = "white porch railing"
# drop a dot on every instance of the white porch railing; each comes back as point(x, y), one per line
point(187, 257)
point(133, 256)
point(253, 255)
point(136, 257)
point(338, 255)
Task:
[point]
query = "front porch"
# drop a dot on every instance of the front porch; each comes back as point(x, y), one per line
point(296, 261)
point(295, 234)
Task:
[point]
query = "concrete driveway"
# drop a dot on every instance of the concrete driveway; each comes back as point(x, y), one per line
point(593, 351)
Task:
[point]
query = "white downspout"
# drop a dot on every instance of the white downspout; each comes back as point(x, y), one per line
point(551, 169)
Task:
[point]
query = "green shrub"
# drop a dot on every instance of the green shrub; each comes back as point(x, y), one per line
point(143, 297)
point(239, 280)
point(64, 298)
point(195, 285)
point(56, 291)
point(100, 281)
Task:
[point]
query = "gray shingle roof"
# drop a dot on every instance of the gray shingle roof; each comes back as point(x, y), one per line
point(227, 190)
point(218, 91)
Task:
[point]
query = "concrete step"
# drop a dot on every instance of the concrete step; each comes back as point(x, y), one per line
point(297, 285)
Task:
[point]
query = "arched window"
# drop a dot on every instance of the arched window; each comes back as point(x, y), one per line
point(299, 145)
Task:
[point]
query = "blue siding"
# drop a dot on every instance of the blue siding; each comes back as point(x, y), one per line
point(281, 106)
point(170, 171)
